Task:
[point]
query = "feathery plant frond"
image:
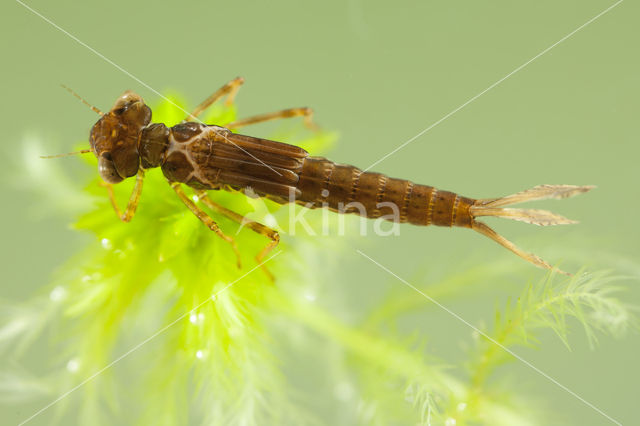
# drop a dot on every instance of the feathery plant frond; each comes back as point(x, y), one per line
point(590, 299)
point(586, 298)
point(166, 276)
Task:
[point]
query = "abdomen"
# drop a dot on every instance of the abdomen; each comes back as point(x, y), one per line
point(347, 189)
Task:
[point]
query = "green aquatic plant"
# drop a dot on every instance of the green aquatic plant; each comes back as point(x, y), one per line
point(154, 323)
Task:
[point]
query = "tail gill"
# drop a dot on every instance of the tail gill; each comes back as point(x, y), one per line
point(495, 207)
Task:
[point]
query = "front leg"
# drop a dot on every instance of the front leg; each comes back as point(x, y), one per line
point(205, 218)
point(134, 198)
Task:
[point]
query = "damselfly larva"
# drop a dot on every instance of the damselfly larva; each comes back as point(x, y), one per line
point(209, 157)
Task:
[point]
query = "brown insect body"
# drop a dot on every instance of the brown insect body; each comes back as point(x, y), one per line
point(209, 157)
point(212, 157)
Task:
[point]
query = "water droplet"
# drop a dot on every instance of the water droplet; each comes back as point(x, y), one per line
point(220, 285)
point(199, 354)
point(195, 198)
point(73, 365)
point(450, 422)
point(462, 406)
point(58, 294)
point(106, 244)
point(193, 318)
point(325, 193)
point(200, 317)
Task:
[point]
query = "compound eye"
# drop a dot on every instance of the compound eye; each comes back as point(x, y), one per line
point(125, 100)
point(107, 169)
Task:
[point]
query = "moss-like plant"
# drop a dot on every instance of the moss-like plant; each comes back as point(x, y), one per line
point(153, 323)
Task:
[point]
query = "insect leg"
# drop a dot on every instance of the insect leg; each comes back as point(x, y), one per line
point(205, 218)
point(134, 198)
point(230, 89)
point(307, 113)
point(257, 227)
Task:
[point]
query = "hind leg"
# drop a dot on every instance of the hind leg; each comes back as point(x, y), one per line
point(205, 218)
point(257, 227)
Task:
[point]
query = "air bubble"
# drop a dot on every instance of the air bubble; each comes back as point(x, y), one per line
point(58, 294)
point(73, 365)
point(106, 244)
point(343, 391)
point(270, 221)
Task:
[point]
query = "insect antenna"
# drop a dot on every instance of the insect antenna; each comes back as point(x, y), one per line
point(94, 109)
point(67, 154)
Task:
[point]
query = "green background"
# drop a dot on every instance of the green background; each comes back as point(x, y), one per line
point(378, 74)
